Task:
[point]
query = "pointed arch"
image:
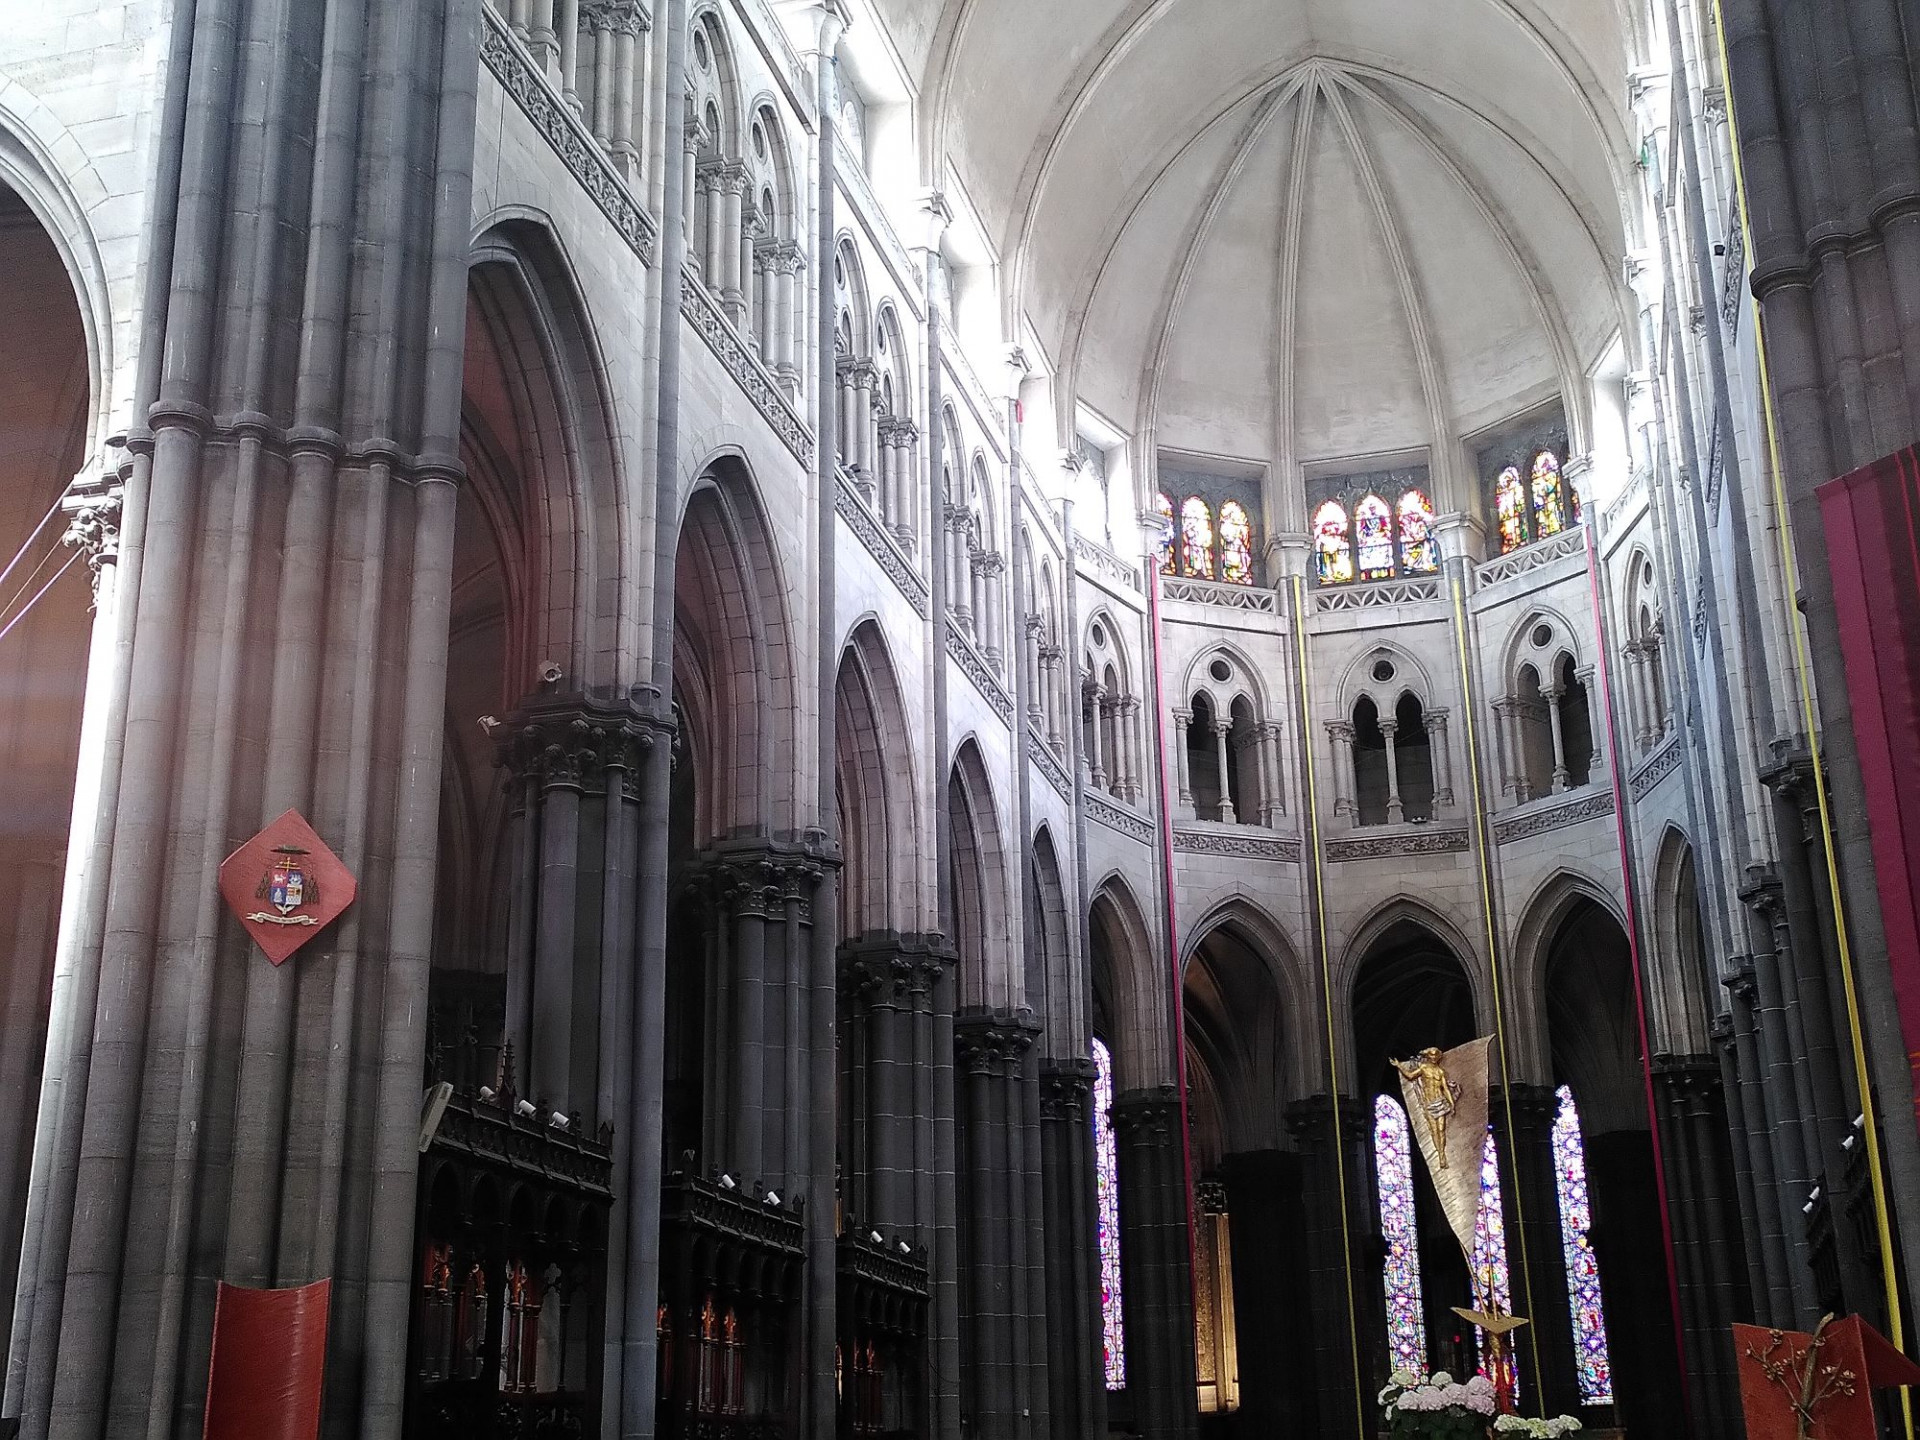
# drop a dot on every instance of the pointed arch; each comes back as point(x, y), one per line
point(1683, 976)
point(1129, 993)
point(733, 659)
point(1050, 968)
point(875, 760)
point(981, 932)
point(1248, 997)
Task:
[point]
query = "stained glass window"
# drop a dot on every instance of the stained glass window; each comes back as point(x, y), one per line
point(1165, 507)
point(1373, 538)
point(1583, 1271)
point(1393, 1160)
point(1511, 496)
point(1196, 536)
point(1106, 1165)
point(1332, 554)
point(1490, 1237)
point(1418, 554)
point(1236, 544)
point(1549, 509)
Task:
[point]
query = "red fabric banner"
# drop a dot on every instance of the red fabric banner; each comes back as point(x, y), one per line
point(1872, 520)
point(269, 1357)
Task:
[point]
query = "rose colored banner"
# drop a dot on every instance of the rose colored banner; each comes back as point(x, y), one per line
point(1872, 520)
point(269, 1357)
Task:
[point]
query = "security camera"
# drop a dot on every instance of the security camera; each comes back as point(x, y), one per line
point(551, 672)
point(524, 1110)
point(558, 1121)
point(773, 1197)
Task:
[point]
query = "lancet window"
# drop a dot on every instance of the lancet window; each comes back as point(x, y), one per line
point(1205, 543)
point(1106, 1158)
point(1393, 1165)
point(1591, 1361)
point(1532, 497)
point(1377, 526)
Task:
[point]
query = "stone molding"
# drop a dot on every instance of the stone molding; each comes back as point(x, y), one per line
point(1216, 592)
point(697, 307)
point(1149, 1116)
point(576, 743)
point(1066, 1090)
point(993, 1042)
point(1733, 273)
point(1118, 817)
point(975, 666)
point(1511, 827)
point(848, 505)
point(1424, 841)
point(1049, 763)
point(1106, 564)
point(1528, 558)
point(589, 165)
point(1656, 767)
point(1255, 846)
point(1331, 599)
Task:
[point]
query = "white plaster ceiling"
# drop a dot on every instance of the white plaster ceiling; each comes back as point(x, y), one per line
point(1303, 227)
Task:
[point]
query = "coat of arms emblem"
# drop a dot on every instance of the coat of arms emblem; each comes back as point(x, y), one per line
point(285, 886)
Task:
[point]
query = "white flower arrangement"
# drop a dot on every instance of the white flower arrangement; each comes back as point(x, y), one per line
point(1536, 1429)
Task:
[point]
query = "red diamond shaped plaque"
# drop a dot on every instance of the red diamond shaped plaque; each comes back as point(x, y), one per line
point(285, 886)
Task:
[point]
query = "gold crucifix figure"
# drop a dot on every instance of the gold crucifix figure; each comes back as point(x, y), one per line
point(1438, 1094)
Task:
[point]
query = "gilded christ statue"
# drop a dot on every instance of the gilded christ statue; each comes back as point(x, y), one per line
point(1438, 1093)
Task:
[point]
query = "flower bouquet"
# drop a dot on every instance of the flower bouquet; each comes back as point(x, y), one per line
point(1442, 1408)
point(1437, 1409)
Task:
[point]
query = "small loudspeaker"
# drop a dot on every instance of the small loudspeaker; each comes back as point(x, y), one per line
point(432, 1106)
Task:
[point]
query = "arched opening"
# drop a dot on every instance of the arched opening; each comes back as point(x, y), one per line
point(1370, 787)
point(1594, 1042)
point(1533, 725)
point(1413, 759)
point(1576, 725)
point(1244, 786)
point(1411, 991)
point(1203, 759)
point(45, 629)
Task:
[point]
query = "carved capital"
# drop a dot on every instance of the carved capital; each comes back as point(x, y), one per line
point(94, 530)
point(576, 743)
point(992, 1042)
point(1150, 1116)
point(1066, 1090)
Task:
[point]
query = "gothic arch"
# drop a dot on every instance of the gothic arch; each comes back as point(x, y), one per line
point(1246, 680)
point(875, 773)
point(774, 168)
point(853, 320)
point(1683, 982)
point(981, 926)
point(571, 509)
point(893, 360)
point(1051, 990)
point(717, 84)
point(1129, 996)
point(1410, 676)
point(1405, 910)
point(1553, 901)
point(1514, 652)
point(732, 642)
point(1275, 1049)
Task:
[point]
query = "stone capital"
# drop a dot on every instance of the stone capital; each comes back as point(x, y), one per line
point(1066, 1090)
point(574, 742)
point(1149, 1116)
point(992, 1042)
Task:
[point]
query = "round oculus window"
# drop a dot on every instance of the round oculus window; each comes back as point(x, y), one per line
point(1097, 635)
point(1383, 670)
point(1542, 635)
point(1220, 670)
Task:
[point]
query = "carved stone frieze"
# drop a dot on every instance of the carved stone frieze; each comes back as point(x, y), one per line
point(1424, 841)
point(697, 307)
point(1215, 592)
point(1049, 764)
point(975, 667)
point(1106, 564)
point(1334, 598)
point(848, 505)
point(591, 166)
point(1114, 816)
point(1528, 558)
point(1656, 767)
point(1248, 847)
point(1509, 828)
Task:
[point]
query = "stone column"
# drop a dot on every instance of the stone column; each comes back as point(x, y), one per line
point(731, 180)
point(1074, 1370)
point(694, 185)
point(1222, 729)
point(1506, 737)
point(1311, 1123)
point(1156, 1264)
point(1639, 712)
point(713, 245)
point(843, 382)
point(1004, 1386)
point(1096, 773)
point(1779, 1247)
point(1596, 726)
point(1340, 737)
point(1551, 697)
point(1276, 795)
point(629, 24)
point(1279, 1389)
point(1628, 1245)
point(1036, 692)
point(861, 443)
point(1134, 748)
point(280, 641)
point(1395, 811)
point(787, 265)
point(1437, 747)
point(961, 591)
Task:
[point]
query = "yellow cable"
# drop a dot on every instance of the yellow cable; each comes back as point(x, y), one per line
point(1493, 965)
point(1326, 991)
point(1784, 524)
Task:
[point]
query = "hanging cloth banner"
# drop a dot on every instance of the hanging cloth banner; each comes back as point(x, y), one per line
point(1871, 518)
point(1446, 1095)
point(269, 1357)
